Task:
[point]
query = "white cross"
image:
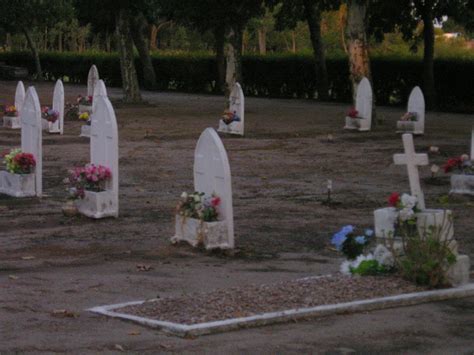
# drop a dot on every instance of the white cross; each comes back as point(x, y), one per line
point(412, 161)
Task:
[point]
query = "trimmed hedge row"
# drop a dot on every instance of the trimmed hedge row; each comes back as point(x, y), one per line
point(283, 76)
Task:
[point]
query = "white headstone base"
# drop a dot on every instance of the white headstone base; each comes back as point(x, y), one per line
point(213, 235)
point(85, 131)
point(11, 122)
point(232, 128)
point(353, 123)
point(17, 185)
point(462, 184)
point(97, 204)
point(408, 127)
point(459, 272)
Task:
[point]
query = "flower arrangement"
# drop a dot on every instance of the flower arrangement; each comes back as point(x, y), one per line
point(409, 116)
point(90, 177)
point(406, 206)
point(84, 116)
point(349, 243)
point(18, 162)
point(84, 100)
point(49, 114)
point(229, 117)
point(11, 111)
point(460, 164)
point(196, 205)
point(353, 113)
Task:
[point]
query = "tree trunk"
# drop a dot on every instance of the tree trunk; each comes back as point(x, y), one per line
point(60, 41)
point(428, 57)
point(34, 51)
point(233, 52)
point(130, 87)
point(359, 63)
point(313, 17)
point(153, 35)
point(220, 58)
point(262, 41)
point(293, 41)
point(139, 28)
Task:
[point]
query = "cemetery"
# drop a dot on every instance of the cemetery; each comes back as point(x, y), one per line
point(155, 198)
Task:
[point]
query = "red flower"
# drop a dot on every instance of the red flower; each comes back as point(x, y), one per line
point(215, 201)
point(353, 113)
point(25, 161)
point(394, 199)
point(453, 163)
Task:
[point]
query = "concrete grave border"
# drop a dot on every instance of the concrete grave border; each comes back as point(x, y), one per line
point(183, 330)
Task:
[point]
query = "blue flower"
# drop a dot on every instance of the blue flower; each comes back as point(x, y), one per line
point(347, 230)
point(338, 240)
point(360, 239)
point(369, 232)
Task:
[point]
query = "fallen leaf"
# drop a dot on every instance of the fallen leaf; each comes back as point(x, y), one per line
point(134, 332)
point(143, 267)
point(28, 257)
point(13, 277)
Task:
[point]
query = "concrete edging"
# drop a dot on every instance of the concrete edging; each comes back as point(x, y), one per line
point(183, 330)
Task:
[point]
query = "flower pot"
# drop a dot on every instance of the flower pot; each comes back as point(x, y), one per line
point(17, 185)
point(212, 235)
point(85, 131)
point(69, 209)
point(85, 108)
point(352, 123)
point(97, 204)
point(462, 184)
point(13, 122)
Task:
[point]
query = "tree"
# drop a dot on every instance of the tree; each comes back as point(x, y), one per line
point(22, 16)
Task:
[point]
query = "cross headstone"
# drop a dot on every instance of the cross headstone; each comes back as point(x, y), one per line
point(104, 142)
point(58, 105)
point(31, 134)
point(212, 176)
point(92, 79)
point(412, 160)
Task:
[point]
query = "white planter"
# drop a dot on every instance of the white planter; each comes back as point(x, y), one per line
point(439, 222)
point(406, 126)
point(44, 124)
point(85, 131)
point(213, 235)
point(232, 128)
point(13, 122)
point(462, 184)
point(85, 108)
point(97, 204)
point(352, 123)
point(17, 185)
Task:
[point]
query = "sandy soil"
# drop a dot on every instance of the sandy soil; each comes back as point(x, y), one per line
point(50, 262)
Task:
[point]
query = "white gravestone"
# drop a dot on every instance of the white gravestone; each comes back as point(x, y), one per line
point(99, 90)
point(212, 177)
point(58, 105)
point(416, 104)
point(15, 122)
point(363, 107)
point(463, 183)
point(436, 221)
point(104, 151)
point(92, 80)
point(27, 185)
point(237, 106)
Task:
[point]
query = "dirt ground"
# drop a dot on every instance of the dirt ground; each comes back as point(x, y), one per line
point(49, 262)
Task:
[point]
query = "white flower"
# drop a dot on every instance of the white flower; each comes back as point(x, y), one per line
point(197, 198)
point(383, 256)
point(184, 195)
point(345, 268)
point(406, 214)
point(408, 201)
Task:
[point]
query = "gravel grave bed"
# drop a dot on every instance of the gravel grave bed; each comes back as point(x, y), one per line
point(251, 300)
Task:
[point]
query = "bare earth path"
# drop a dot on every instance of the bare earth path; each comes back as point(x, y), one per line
point(49, 262)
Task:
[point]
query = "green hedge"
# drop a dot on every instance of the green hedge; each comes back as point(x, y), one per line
point(283, 76)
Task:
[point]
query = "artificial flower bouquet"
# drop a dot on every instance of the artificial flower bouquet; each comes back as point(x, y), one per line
point(409, 117)
point(88, 178)
point(18, 162)
point(84, 100)
point(84, 116)
point(11, 111)
point(49, 114)
point(228, 117)
point(350, 243)
point(196, 205)
point(406, 206)
point(353, 113)
point(462, 165)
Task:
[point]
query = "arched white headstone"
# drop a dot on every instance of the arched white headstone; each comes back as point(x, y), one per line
point(58, 105)
point(99, 90)
point(212, 176)
point(31, 134)
point(416, 104)
point(363, 105)
point(19, 97)
point(92, 79)
point(237, 106)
